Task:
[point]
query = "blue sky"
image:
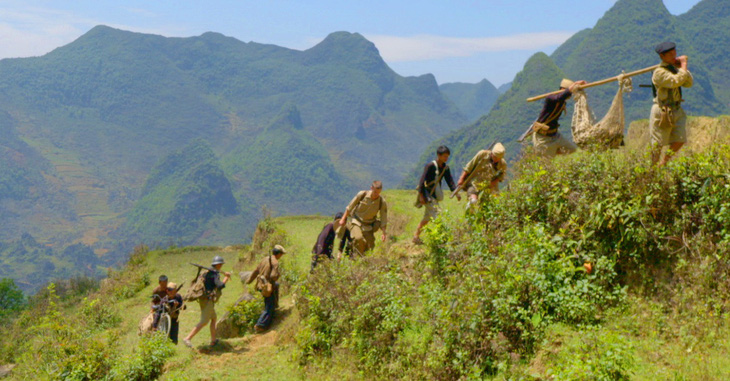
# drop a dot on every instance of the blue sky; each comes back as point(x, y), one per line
point(456, 40)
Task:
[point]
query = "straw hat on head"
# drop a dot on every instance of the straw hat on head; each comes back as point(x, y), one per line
point(566, 83)
point(498, 151)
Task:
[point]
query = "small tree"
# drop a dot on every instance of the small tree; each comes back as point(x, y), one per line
point(11, 298)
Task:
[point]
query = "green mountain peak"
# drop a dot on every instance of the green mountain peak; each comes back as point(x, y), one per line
point(289, 117)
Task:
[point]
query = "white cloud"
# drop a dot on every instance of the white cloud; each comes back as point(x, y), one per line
point(429, 47)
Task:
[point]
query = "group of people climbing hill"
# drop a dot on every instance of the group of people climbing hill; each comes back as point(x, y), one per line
point(367, 213)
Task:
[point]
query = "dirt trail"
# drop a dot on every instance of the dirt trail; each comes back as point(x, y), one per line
point(237, 352)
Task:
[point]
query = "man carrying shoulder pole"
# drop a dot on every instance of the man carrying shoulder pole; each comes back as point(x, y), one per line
point(667, 120)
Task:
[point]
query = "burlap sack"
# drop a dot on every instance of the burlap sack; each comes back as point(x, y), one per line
point(145, 325)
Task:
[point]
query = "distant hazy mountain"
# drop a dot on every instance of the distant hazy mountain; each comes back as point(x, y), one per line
point(504, 87)
point(472, 99)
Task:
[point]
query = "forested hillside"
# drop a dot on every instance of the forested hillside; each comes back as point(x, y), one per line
point(83, 125)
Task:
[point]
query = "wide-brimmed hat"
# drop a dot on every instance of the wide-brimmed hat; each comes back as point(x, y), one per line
point(498, 151)
point(278, 249)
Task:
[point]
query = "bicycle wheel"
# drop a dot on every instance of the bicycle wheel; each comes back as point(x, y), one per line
point(164, 324)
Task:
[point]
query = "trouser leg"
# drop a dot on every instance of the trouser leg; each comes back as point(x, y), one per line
point(369, 239)
point(174, 329)
point(359, 244)
point(268, 315)
point(156, 319)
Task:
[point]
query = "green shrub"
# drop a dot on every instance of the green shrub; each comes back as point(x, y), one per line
point(59, 347)
point(98, 315)
point(489, 286)
point(593, 354)
point(246, 313)
point(147, 361)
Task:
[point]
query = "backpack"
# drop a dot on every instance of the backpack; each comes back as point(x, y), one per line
point(197, 286)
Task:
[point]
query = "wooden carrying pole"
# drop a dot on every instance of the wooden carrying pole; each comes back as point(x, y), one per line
point(597, 83)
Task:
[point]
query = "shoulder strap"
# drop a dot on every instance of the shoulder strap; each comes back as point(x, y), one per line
point(672, 69)
point(439, 177)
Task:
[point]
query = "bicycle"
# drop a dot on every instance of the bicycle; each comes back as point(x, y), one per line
point(164, 323)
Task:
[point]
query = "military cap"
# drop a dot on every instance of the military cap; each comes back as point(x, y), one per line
point(278, 249)
point(498, 151)
point(218, 260)
point(665, 47)
point(566, 83)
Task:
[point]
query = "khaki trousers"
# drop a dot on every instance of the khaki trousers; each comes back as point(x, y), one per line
point(363, 239)
point(548, 146)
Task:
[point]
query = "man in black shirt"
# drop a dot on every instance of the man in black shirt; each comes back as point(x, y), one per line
point(429, 188)
point(547, 140)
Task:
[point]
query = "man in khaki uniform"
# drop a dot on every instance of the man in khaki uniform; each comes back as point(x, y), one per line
point(485, 170)
point(667, 120)
point(265, 274)
point(547, 140)
point(364, 209)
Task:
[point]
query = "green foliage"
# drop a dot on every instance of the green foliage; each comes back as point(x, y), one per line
point(147, 361)
point(60, 347)
point(489, 288)
point(245, 314)
point(129, 281)
point(594, 354)
point(32, 264)
point(98, 314)
point(11, 299)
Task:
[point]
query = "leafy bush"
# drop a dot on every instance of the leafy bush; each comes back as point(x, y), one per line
point(97, 314)
point(148, 360)
point(595, 355)
point(245, 314)
point(58, 347)
point(488, 287)
point(11, 299)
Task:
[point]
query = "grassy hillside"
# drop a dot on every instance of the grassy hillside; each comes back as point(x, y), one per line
point(499, 294)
